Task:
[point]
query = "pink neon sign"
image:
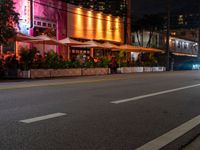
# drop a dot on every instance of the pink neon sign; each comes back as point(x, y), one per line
point(23, 7)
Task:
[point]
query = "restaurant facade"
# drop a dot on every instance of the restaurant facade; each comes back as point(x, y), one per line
point(59, 20)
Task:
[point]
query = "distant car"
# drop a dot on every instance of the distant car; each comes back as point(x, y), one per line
point(189, 65)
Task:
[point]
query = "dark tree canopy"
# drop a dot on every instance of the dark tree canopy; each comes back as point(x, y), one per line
point(149, 22)
point(152, 23)
point(8, 20)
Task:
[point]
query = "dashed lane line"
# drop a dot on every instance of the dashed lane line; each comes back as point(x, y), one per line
point(41, 118)
point(154, 94)
point(171, 136)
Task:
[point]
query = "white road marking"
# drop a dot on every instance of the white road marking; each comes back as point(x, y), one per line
point(154, 94)
point(36, 119)
point(172, 135)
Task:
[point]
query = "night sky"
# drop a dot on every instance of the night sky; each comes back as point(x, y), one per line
point(141, 7)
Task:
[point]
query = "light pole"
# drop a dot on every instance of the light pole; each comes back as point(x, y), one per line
point(168, 35)
point(199, 34)
point(31, 13)
point(125, 14)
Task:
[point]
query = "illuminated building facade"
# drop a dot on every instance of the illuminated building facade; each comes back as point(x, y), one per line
point(120, 8)
point(60, 20)
point(66, 20)
point(87, 24)
point(114, 7)
point(178, 46)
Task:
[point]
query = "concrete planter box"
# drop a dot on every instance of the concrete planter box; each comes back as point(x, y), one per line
point(148, 69)
point(65, 72)
point(95, 71)
point(141, 69)
point(102, 71)
point(159, 69)
point(24, 74)
point(131, 69)
point(40, 73)
point(53, 73)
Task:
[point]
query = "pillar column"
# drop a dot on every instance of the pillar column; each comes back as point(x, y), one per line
point(68, 53)
point(1, 49)
point(92, 52)
point(17, 49)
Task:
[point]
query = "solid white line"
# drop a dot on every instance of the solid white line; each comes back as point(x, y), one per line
point(172, 135)
point(36, 119)
point(154, 94)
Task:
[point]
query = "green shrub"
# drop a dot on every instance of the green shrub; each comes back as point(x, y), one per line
point(27, 58)
point(38, 63)
point(89, 64)
point(76, 64)
point(150, 60)
point(52, 60)
point(68, 64)
point(104, 63)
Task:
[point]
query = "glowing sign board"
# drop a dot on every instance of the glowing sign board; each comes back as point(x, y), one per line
point(23, 7)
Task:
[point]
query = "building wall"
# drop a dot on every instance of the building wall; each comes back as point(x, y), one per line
point(87, 24)
point(190, 34)
point(70, 20)
point(177, 45)
point(129, 20)
point(51, 15)
point(60, 20)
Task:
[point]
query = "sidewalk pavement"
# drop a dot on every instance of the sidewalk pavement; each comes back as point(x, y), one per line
point(194, 145)
point(16, 84)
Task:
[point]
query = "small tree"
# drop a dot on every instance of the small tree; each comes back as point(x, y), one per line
point(151, 23)
point(8, 20)
point(27, 58)
point(121, 58)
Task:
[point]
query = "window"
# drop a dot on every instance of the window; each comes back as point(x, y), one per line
point(49, 25)
point(39, 23)
point(180, 20)
point(185, 45)
point(179, 44)
point(44, 24)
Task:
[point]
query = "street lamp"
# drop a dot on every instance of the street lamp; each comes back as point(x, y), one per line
point(125, 11)
point(168, 35)
point(199, 34)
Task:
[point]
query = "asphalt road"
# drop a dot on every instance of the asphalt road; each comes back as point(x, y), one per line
point(116, 112)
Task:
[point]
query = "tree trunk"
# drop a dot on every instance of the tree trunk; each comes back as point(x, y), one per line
point(138, 38)
point(150, 37)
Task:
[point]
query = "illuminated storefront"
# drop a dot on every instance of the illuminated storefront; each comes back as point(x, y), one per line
point(88, 24)
point(182, 47)
point(60, 20)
